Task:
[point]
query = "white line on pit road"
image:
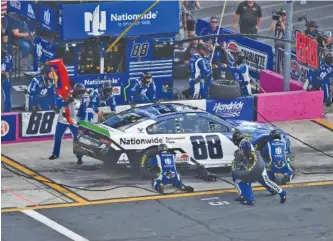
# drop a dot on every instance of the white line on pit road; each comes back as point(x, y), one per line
point(210, 198)
point(54, 225)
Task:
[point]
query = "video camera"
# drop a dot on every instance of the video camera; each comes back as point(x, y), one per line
point(278, 13)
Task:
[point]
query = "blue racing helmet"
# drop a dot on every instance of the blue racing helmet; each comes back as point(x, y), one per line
point(246, 148)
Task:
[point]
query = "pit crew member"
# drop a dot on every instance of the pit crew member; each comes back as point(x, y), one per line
point(41, 93)
point(6, 69)
point(142, 90)
point(321, 79)
point(240, 73)
point(200, 73)
point(273, 149)
point(168, 171)
point(246, 148)
point(78, 100)
point(102, 97)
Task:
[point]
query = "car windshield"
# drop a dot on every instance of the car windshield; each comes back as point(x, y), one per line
point(125, 120)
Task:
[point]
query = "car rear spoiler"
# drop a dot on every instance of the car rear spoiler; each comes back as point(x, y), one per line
point(105, 130)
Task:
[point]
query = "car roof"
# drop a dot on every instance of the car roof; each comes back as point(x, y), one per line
point(155, 111)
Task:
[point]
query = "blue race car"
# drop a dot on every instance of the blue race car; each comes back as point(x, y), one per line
point(196, 136)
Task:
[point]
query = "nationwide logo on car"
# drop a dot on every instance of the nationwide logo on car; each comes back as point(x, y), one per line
point(232, 109)
point(137, 141)
point(183, 158)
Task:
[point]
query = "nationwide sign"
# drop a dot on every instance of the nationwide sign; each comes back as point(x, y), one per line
point(81, 21)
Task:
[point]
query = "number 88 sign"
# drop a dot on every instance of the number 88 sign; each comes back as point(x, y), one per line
point(307, 50)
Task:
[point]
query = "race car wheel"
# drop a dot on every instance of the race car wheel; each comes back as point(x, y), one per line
point(148, 165)
point(224, 90)
point(254, 173)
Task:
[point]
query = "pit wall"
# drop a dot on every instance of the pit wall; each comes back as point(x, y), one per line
point(270, 106)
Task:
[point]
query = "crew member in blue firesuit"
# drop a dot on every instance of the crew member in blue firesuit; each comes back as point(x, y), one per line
point(240, 73)
point(245, 190)
point(41, 93)
point(273, 149)
point(79, 101)
point(166, 161)
point(102, 97)
point(6, 69)
point(200, 73)
point(142, 90)
point(321, 79)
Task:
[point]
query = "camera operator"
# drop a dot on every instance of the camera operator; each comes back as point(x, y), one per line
point(278, 27)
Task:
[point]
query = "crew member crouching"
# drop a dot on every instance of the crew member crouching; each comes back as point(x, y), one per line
point(79, 102)
point(166, 161)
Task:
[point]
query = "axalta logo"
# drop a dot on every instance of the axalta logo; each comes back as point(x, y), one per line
point(130, 17)
point(100, 81)
point(135, 141)
point(232, 109)
point(95, 22)
point(4, 128)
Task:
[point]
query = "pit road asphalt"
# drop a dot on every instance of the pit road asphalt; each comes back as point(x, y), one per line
point(307, 215)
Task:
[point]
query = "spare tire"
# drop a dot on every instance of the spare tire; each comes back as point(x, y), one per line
point(254, 173)
point(224, 90)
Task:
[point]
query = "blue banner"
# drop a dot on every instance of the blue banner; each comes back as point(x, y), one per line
point(259, 56)
point(241, 108)
point(45, 50)
point(47, 18)
point(8, 127)
point(81, 21)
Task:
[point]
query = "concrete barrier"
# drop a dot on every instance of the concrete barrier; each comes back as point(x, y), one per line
point(288, 106)
point(272, 82)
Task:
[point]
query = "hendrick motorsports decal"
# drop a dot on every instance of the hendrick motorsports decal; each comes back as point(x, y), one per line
point(143, 141)
point(232, 109)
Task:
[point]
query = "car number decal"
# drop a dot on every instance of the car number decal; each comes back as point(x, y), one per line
point(204, 147)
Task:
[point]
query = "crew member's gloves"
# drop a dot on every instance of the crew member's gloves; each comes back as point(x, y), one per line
point(33, 109)
point(56, 109)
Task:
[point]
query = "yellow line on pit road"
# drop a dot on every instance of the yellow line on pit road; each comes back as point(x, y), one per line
point(157, 197)
point(324, 123)
point(38, 177)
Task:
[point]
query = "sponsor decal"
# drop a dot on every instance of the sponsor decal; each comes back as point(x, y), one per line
point(232, 109)
point(173, 140)
point(47, 16)
point(31, 13)
point(95, 22)
point(116, 90)
point(131, 17)
point(298, 71)
point(137, 141)
point(4, 128)
point(101, 81)
point(183, 158)
point(254, 59)
point(123, 159)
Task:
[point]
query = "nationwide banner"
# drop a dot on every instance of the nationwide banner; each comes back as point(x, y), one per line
point(81, 21)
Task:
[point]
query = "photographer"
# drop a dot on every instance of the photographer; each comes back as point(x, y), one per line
point(278, 27)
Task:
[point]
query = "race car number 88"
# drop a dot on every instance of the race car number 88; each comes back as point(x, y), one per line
point(40, 123)
point(206, 147)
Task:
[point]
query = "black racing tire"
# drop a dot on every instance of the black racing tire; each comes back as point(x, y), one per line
point(224, 90)
point(252, 175)
point(145, 170)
